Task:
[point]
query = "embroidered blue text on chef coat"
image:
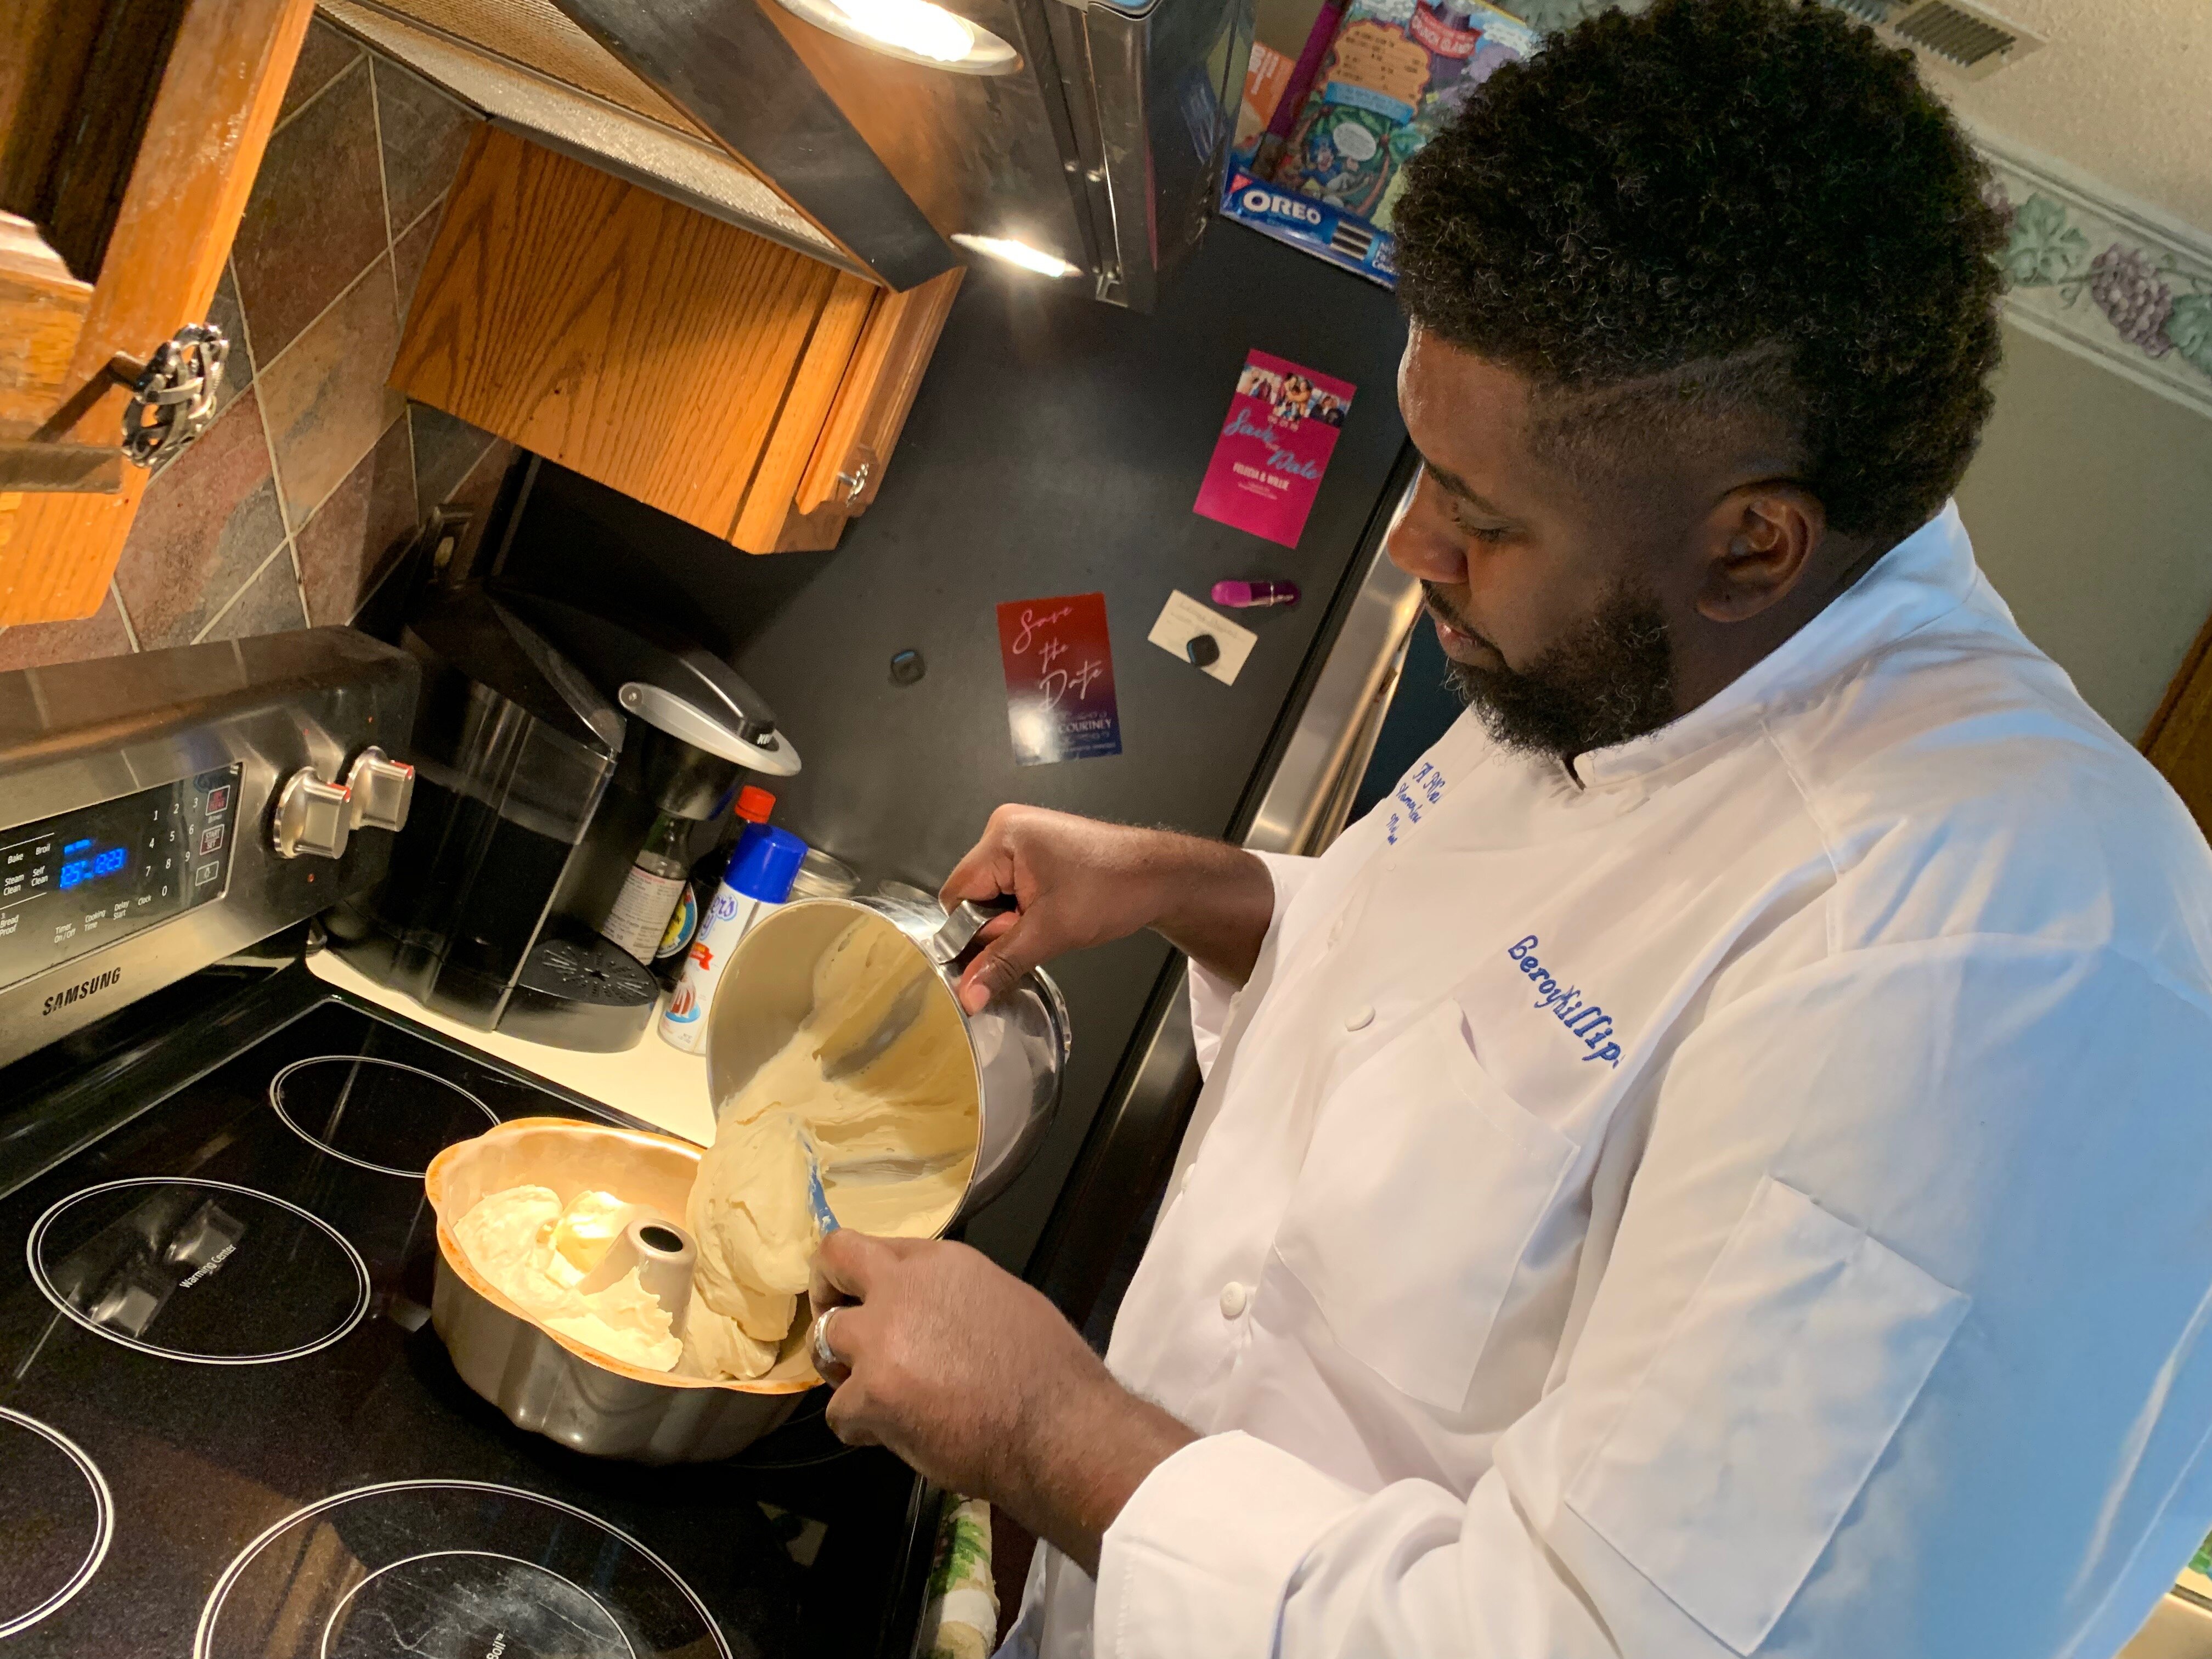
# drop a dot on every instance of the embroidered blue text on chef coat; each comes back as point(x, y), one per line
point(1422, 787)
point(1586, 1020)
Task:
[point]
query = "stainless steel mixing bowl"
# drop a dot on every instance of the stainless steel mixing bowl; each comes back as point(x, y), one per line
point(1019, 1044)
point(543, 1381)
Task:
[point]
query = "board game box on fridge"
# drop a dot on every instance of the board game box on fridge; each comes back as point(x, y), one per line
point(1377, 80)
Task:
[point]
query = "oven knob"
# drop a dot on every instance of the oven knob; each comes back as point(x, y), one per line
point(311, 816)
point(381, 788)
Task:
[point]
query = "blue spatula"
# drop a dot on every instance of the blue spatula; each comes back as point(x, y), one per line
point(816, 1200)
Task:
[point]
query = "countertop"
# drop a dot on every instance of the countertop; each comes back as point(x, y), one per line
point(651, 1081)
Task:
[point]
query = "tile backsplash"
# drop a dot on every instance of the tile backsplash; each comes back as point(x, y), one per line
point(288, 509)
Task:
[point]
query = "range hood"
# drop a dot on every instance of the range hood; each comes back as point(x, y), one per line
point(1084, 138)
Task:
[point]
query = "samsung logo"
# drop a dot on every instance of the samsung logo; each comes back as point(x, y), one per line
point(80, 990)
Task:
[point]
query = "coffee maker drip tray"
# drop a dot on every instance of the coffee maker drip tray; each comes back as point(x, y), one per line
point(580, 991)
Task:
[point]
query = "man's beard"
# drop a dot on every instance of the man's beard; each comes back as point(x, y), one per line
point(1610, 679)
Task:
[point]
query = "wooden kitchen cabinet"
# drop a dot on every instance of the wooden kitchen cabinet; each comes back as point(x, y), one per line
point(865, 419)
point(719, 376)
point(2178, 739)
point(130, 134)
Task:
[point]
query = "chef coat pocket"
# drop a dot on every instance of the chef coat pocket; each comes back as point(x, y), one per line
point(1422, 1187)
point(1764, 1412)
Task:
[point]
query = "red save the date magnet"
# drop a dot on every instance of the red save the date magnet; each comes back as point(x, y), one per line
point(1060, 678)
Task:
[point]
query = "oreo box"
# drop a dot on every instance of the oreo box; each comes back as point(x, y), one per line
point(1395, 73)
point(1340, 238)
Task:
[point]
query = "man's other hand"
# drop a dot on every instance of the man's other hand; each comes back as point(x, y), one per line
point(976, 1380)
point(1079, 883)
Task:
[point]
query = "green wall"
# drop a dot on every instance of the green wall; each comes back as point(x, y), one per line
point(2091, 509)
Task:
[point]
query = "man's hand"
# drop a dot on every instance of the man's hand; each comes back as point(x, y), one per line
point(976, 1380)
point(1082, 883)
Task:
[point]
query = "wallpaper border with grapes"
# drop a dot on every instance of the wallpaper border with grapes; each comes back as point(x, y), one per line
point(2113, 280)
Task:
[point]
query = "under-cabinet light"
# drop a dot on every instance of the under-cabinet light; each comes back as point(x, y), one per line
point(1018, 253)
point(914, 30)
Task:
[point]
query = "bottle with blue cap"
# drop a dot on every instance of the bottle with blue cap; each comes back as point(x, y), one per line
point(759, 878)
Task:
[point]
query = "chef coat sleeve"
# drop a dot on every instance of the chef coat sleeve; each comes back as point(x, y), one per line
point(1210, 995)
point(1900, 1348)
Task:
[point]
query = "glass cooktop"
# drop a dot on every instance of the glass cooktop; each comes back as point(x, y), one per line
point(227, 1427)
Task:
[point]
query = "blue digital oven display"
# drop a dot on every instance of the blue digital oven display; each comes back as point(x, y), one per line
point(85, 860)
point(70, 884)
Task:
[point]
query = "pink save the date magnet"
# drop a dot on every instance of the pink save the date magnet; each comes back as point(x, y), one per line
point(1274, 447)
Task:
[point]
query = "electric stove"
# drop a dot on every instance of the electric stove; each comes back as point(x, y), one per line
point(227, 1427)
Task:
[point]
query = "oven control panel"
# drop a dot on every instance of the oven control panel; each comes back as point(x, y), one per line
point(140, 800)
point(72, 884)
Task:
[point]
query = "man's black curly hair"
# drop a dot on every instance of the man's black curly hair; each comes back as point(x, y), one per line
point(1748, 202)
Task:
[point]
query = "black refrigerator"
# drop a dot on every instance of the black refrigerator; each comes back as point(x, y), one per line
point(1056, 447)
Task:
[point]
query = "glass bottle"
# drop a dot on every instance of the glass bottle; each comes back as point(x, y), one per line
point(754, 804)
point(651, 889)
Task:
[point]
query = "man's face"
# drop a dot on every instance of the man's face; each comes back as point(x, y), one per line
point(1547, 595)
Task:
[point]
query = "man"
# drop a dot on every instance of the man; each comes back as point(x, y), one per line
point(1714, 1164)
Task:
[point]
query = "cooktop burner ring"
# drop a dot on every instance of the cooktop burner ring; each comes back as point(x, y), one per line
point(345, 1608)
point(284, 1599)
point(350, 1257)
point(103, 1503)
point(276, 1101)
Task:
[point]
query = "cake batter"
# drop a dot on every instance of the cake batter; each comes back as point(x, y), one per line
point(894, 1122)
point(535, 1251)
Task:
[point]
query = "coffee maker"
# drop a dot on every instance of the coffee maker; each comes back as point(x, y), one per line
point(548, 734)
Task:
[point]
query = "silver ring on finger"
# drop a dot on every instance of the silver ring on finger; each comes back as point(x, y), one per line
point(817, 1344)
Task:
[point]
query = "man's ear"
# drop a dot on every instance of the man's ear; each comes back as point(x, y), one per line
point(1759, 540)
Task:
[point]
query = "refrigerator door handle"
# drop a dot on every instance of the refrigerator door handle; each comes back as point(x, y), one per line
point(1311, 790)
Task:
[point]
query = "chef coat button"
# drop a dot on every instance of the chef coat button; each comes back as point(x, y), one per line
point(1235, 1299)
point(1360, 1017)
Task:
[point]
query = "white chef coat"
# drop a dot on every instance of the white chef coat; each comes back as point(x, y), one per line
point(1749, 1195)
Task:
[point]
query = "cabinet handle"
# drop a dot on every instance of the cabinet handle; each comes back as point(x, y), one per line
point(855, 482)
point(172, 393)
